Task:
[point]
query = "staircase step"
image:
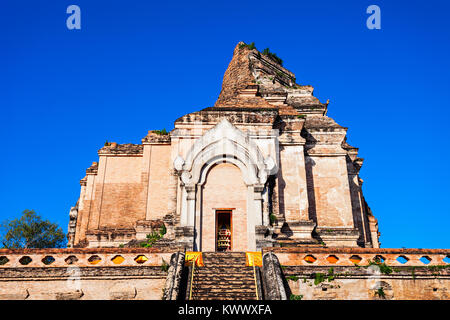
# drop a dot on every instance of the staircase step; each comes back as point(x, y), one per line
point(223, 287)
point(222, 269)
point(232, 293)
point(225, 293)
point(224, 276)
point(228, 253)
point(224, 298)
point(213, 297)
point(222, 281)
point(224, 263)
point(224, 257)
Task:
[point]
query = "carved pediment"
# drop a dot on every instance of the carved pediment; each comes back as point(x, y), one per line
point(225, 142)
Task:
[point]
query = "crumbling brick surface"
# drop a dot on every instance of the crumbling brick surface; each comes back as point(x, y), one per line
point(360, 283)
point(237, 76)
point(98, 283)
point(127, 148)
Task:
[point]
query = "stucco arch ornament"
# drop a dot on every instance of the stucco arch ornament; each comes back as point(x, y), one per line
point(225, 143)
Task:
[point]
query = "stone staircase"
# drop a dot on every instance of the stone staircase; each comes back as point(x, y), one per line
point(224, 277)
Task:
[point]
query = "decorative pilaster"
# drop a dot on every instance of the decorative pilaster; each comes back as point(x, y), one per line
point(266, 209)
point(190, 206)
point(198, 219)
point(257, 204)
point(173, 186)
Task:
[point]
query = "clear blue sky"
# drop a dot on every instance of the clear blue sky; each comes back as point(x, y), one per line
point(139, 65)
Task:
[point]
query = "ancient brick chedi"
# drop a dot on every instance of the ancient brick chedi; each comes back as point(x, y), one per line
point(264, 167)
point(263, 170)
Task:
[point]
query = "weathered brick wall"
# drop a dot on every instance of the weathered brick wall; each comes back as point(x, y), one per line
point(237, 75)
point(293, 196)
point(331, 191)
point(120, 200)
point(352, 274)
point(159, 180)
point(78, 274)
point(86, 202)
point(352, 283)
point(360, 219)
point(122, 190)
point(111, 283)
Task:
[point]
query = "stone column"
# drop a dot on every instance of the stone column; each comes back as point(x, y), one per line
point(257, 204)
point(184, 233)
point(198, 219)
point(190, 205)
point(173, 186)
point(265, 213)
point(183, 211)
point(254, 213)
point(373, 225)
point(258, 229)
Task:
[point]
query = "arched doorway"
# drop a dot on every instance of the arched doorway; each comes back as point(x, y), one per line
point(224, 205)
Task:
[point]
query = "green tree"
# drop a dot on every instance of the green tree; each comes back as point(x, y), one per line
point(30, 231)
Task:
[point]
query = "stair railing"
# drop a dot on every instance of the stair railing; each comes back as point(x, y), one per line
point(192, 280)
point(254, 277)
point(195, 258)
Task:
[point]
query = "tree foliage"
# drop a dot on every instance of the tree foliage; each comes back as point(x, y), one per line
point(154, 237)
point(31, 231)
point(272, 56)
point(250, 46)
